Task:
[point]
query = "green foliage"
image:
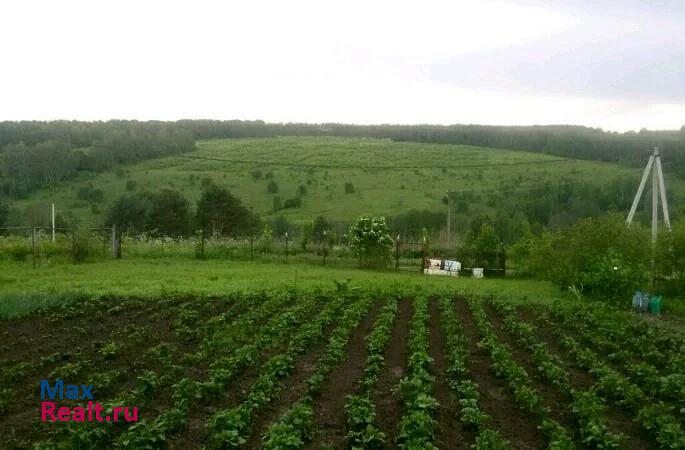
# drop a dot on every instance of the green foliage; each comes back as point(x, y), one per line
point(4, 212)
point(85, 245)
point(14, 247)
point(219, 212)
point(602, 255)
point(293, 203)
point(370, 237)
point(411, 224)
point(272, 187)
point(90, 194)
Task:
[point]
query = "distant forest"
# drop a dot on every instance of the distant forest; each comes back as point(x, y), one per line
point(36, 154)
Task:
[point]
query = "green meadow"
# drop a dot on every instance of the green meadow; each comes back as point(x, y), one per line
point(427, 172)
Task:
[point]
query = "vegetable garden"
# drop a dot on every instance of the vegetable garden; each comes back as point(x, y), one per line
point(349, 368)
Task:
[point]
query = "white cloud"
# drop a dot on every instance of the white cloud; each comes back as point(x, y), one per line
point(353, 61)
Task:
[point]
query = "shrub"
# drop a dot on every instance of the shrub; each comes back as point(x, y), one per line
point(85, 245)
point(293, 203)
point(349, 188)
point(370, 237)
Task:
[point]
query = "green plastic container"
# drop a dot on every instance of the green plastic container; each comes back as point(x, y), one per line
point(655, 305)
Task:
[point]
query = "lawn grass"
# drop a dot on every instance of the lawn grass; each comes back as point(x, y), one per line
point(24, 288)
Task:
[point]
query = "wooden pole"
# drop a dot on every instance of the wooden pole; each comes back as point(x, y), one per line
point(286, 247)
point(251, 247)
point(73, 246)
point(53, 223)
point(33, 245)
point(114, 241)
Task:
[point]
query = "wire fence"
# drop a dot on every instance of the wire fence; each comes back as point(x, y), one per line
point(47, 245)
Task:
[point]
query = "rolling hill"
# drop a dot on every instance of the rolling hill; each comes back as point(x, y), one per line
point(383, 177)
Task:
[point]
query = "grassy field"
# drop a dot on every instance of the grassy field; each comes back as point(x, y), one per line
point(24, 288)
point(376, 191)
point(388, 362)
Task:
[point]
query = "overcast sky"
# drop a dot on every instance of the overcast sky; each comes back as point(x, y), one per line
point(614, 64)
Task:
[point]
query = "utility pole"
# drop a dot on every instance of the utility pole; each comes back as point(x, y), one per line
point(653, 168)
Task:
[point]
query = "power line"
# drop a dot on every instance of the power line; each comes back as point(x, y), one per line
point(373, 167)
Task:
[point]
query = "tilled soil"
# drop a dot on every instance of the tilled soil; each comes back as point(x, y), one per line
point(386, 397)
point(449, 432)
point(329, 407)
point(518, 427)
point(618, 419)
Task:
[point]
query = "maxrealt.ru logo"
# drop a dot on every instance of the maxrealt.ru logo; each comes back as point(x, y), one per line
point(92, 412)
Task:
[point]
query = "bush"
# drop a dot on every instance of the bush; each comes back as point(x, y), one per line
point(349, 188)
point(90, 194)
point(18, 250)
point(293, 203)
point(272, 187)
point(85, 245)
point(602, 255)
point(370, 237)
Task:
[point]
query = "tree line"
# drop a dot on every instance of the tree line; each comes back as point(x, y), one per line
point(38, 154)
point(35, 154)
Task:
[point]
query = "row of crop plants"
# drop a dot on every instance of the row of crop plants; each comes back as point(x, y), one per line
point(661, 366)
point(94, 372)
point(587, 406)
point(656, 418)
point(231, 427)
point(246, 342)
point(296, 426)
point(416, 425)
point(462, 384)
point(360, 410)
point(519, 383)
point(234, 326)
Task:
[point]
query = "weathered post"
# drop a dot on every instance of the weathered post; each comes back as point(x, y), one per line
point(286, 247)
point(33, 245)
point(114, 241)
point(423, 255)
point(397, 253)
point(251, 247)
point(53, 223)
